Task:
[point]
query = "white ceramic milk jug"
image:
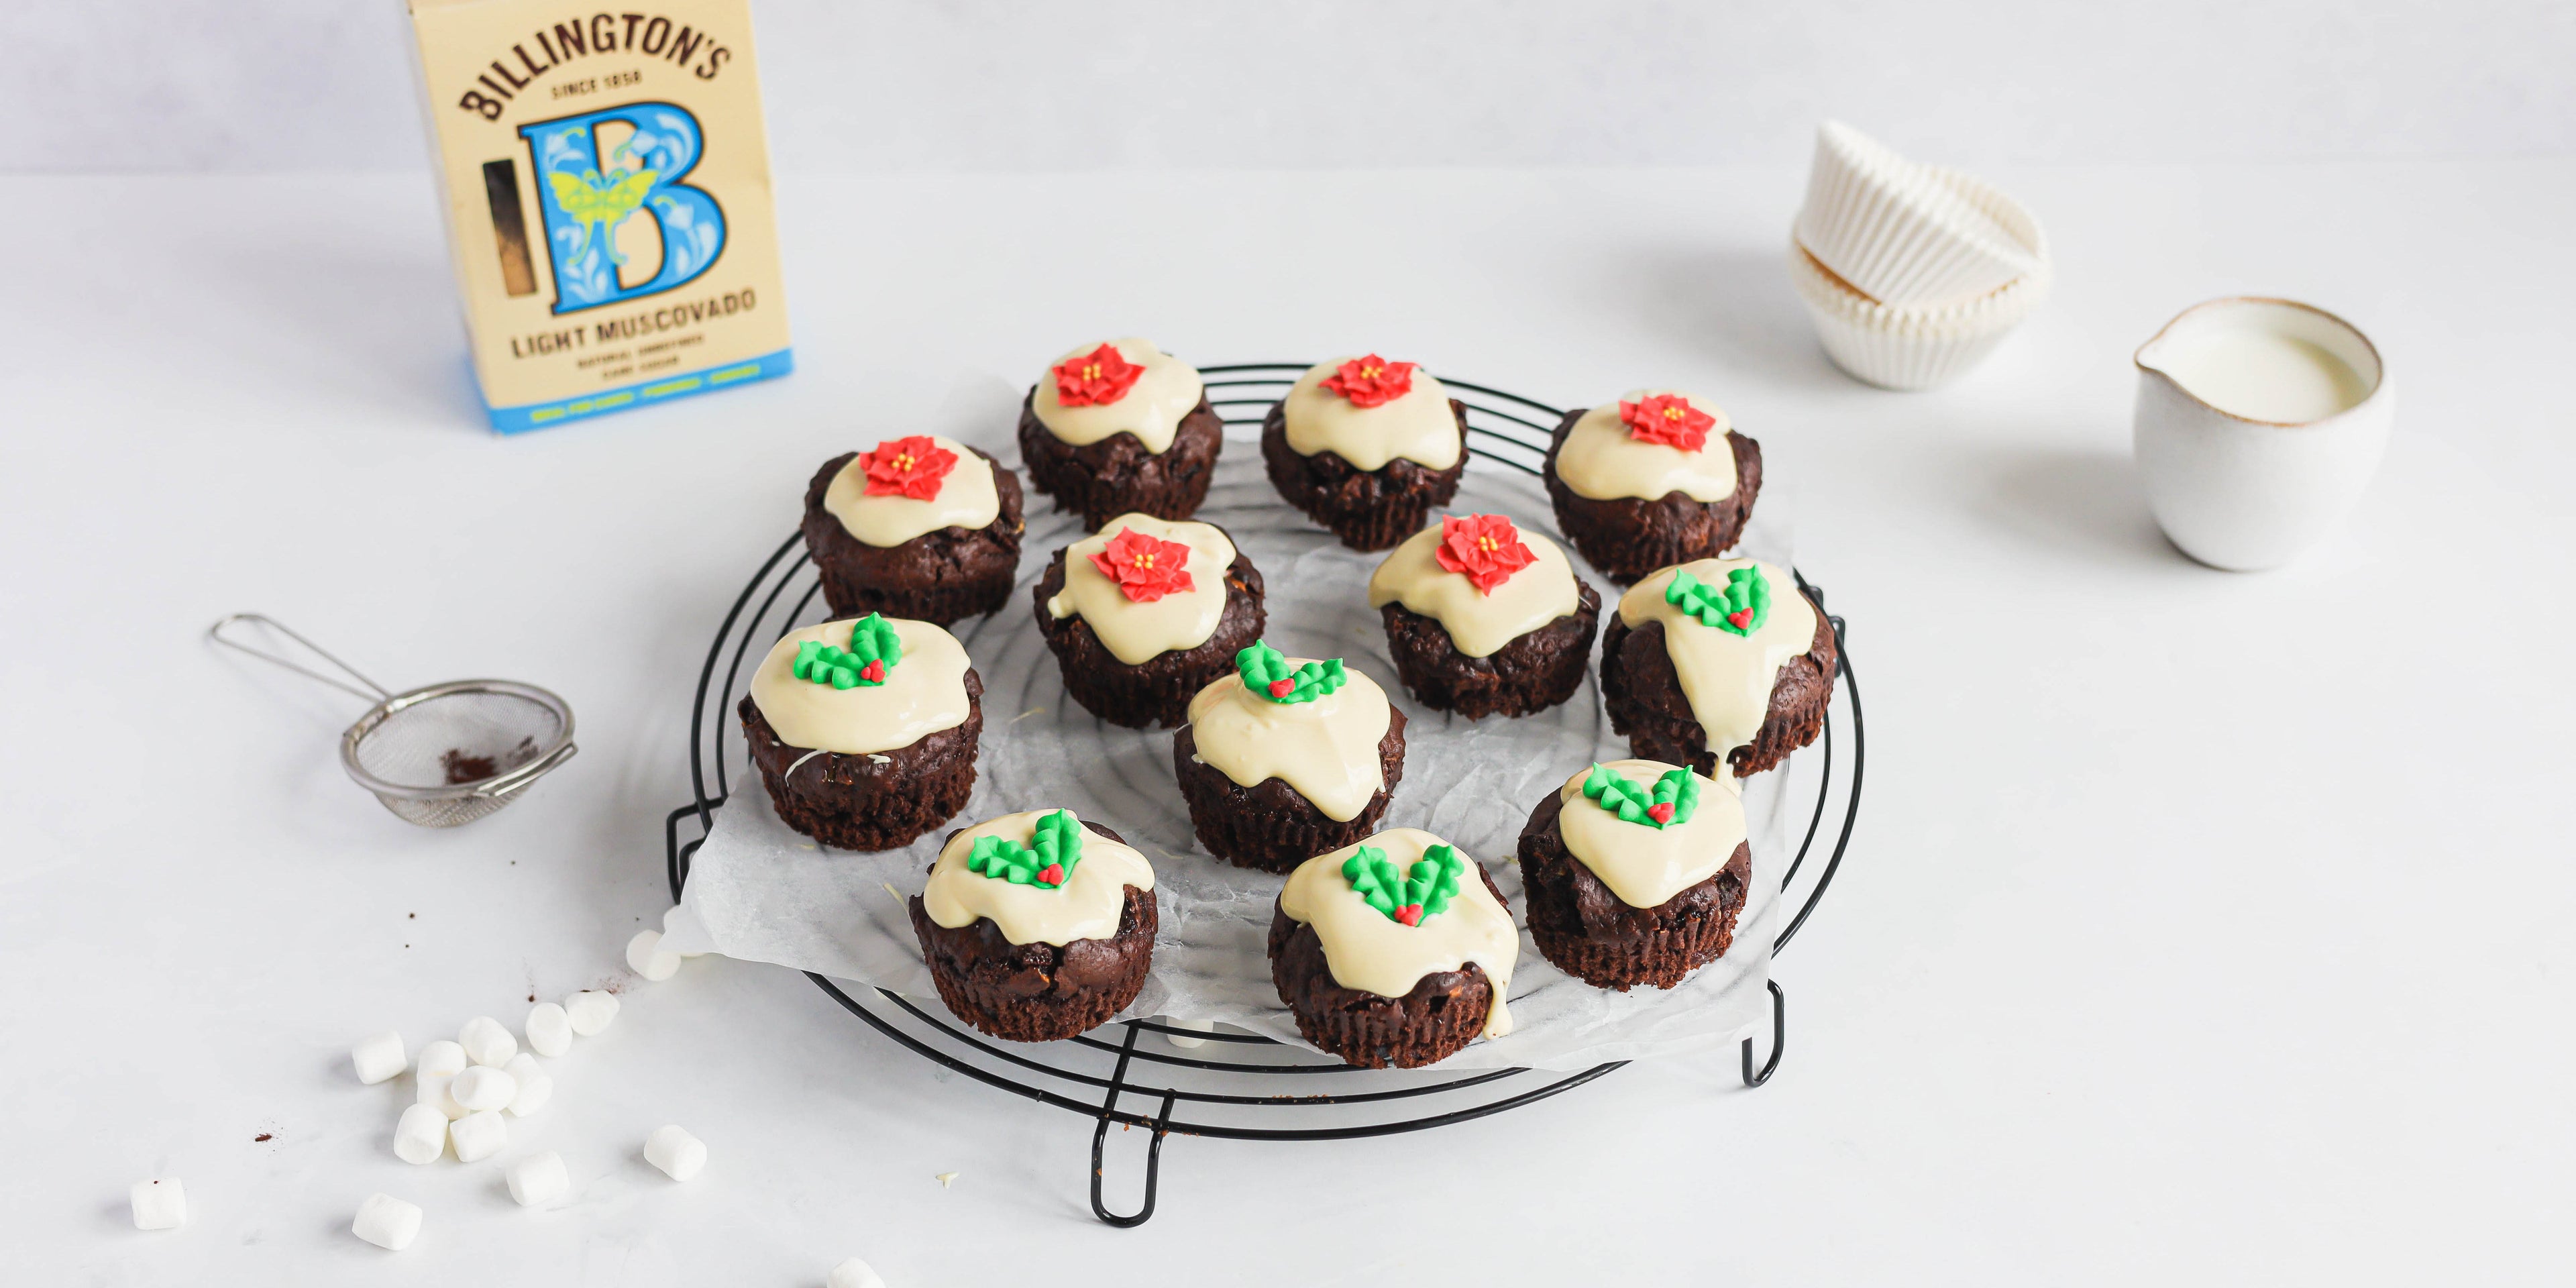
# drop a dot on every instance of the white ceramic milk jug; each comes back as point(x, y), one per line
point(2259, 423)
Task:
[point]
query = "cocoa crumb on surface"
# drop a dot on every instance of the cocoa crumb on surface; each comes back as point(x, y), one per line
point(263, 1136)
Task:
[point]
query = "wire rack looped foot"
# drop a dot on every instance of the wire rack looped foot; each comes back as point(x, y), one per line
point(1153, 1150)
point(1779, 1041)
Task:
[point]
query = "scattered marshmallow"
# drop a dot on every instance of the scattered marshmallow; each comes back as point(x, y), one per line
point(549, 1030)
point(675, 1151)
point(442, 1056)
point(159, 1204)
point(436, 1090)
point(536, 1086)
point(945, 1177)
point(645, 956)
point(480, 1088)
point(387, 1222)
point(420, 1136)
point(478, 1136)
point(537, 1178)
point(379, 1057)
point(590, 1011)
point(486, 1042)
point(854, 1273)
point(1188, 1044)
point(677, 917)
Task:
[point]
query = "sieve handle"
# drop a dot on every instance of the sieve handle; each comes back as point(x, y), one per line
point(374, 692)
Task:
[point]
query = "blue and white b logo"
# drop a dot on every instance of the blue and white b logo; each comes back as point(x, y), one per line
point(587, 198)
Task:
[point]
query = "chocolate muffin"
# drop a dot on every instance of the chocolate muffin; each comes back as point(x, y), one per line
point(1654, 479)
point(1121, 428)
point(1037, 926)
point(1144, 614)
point(1483, 619)
point(1286, 758)
point(1718, 660)
point(1634, 873)
point(1427, 952)
point(865, 732)
point(921, 527)
point(1367, 448)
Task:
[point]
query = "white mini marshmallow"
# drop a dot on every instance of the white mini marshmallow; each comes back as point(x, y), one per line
point(1186, 1044)
point(379, 1057)
point(387, 1222)
point(645, 956)
point(677, 917)
point(486, 1042)
point(854, 1273)
point(590, 1011)
point(536, 1086)
point(420, 1136)
point(442, 1056)
point(478, 1136)
point(675, 1151)
point(549, 1030)
point(159, 1204)
point(537, 1178)
point(436, 1090)
point(479, 1088)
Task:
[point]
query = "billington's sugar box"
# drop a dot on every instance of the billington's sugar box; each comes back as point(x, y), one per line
point(606, 177)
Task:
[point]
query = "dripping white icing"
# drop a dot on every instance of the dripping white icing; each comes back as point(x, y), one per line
point(1479, 624)
point(966, 499)
point(1133, 631)
point(1726, 677)
point(1152, 409)
point(1325, 749)
point(924, 692)
point(1371, 952)
point(1600, 461)
point(1087, 906)
point(1417, 426)
point(1646, 866)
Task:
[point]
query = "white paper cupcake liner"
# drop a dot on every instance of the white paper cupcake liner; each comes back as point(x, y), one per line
point(1908, 348)
point(1902, 234)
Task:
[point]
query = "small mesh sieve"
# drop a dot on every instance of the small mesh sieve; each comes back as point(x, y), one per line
point(440, 756)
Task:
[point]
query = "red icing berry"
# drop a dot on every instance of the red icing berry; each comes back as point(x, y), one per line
point(1282, 688)
point(1742, 617)
point(1095, 379)
point(1668, 419)
point(873, 672)
point(1052, 874)
point(1484, 547)
point(1410, 914)
point(1661, 811)
point(1145, 568)
point(912, 467)
point(1371, 381)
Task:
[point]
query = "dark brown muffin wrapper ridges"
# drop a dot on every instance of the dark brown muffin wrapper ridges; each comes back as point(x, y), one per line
point(1269, 825)
point(1116, 475)
point(1643, 695)
point(1629, 537)
point(1366, 509)
point(1584, 928)
point(1157, 690)
point(859, 802)
point(1039, 992)
point(1437, 1018)
point(1537, 670)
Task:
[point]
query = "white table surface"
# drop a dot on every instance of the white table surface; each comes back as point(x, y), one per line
point(2200, 927)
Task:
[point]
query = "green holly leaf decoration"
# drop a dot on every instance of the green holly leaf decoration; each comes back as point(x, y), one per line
point(873, 651)
point(1046, 861)
point(1669, 803)
point(1739, 608)
point(1406, 897)
point(1265, 671)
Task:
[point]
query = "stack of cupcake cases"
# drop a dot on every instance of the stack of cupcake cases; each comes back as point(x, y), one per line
point(1912, 272)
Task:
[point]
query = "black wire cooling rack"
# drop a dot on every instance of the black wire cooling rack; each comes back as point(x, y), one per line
point(1234, 1086)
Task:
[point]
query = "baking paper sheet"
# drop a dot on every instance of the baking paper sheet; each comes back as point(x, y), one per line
point(760, 891)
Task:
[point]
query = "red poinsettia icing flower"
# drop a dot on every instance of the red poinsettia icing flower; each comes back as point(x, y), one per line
point(1484, 547)
point(910, 467)
point(1371, 381)
point(1668, 419)
point(1145, 568)
point(1095, 379)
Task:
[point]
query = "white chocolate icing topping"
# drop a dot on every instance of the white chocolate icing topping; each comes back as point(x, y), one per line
point(1325, 749)
point(1086, 906)
point(966, 499)
point(1136, 631)
point(924, 692)
point(1645, 865)
point(1601, 461)
point(1479, 623)
point(1371, 952)
point(1416, 425)
point(1152, 409)
point(1726, 677)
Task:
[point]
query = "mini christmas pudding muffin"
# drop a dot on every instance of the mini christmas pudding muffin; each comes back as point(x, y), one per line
point(1037, 926)
point(1484, 619)
point(1367, 448)
point(1286, 758)
point(1634, 873)
point(923, 527)
point(1653, 480)
point(1718, 660)
point(1143, 614)
point(1389, 953)
point(1121, 427)
point(865, 732)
